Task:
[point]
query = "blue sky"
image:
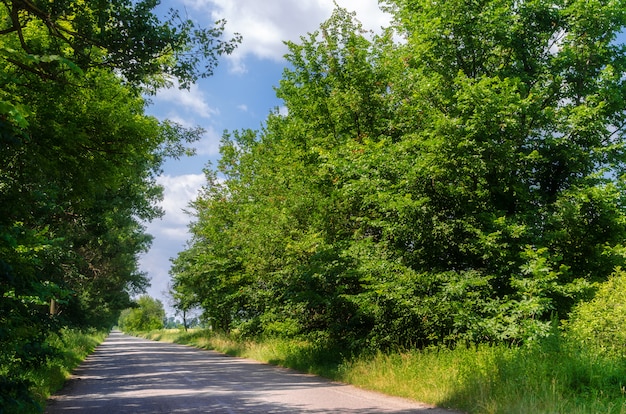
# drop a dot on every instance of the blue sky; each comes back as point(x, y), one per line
point(239, 95)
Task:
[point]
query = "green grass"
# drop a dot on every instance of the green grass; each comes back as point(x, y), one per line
point(552, 378)
point(73, 347)
point(293, 353)
point(27, 391)
point(498, 379)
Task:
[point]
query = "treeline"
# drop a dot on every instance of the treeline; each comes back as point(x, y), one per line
point(458, 179)
point(149, 315)
point(78, 162)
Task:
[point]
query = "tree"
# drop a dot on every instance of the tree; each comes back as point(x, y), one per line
point(184, 301)
point(514, 115)
point(462, 185)
point(79, 160)
point(149, 315)
point(263, 236)
point(122, 35)
point(76, 186)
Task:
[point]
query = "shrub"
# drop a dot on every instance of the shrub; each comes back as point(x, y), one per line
point(599, 323)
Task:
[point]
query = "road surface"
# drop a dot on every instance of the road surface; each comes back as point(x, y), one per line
point(132, 375)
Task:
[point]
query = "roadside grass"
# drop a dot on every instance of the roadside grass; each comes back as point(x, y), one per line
point(298, 354)
point(555, 377)
point(66, 351)
point(73, 347)
point(498, 379)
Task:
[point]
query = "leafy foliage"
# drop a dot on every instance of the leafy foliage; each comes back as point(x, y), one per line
point(597, 324)
point(463, 185)
point(147, 316)
point(123, 35)
point(79, 161)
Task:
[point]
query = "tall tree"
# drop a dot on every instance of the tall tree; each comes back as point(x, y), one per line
point(464, 184)
point(517, 148)
point(122, 35)
point(265, 234)
point(79, 159)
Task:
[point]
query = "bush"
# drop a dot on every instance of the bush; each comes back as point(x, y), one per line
point(598, 324)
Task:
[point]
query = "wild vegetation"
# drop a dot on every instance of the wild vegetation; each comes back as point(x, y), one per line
point(67, 349)
point(451, 188)
point(148, 315)
point(555, 376)
point(457, 180)
point(580, 368)
point(78, 162)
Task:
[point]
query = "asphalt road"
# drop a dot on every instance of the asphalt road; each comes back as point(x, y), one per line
point(132, 375)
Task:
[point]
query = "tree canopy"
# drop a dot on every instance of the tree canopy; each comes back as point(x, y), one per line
point(147, 316)
point(458, 179)
point(122, 35)
point(79, 160)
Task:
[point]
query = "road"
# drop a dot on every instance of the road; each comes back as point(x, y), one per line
point(132, 375)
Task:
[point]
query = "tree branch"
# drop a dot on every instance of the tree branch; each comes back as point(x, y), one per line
point(41, 74)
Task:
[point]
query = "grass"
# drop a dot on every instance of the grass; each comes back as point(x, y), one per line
point(26, 391)
point(292, 353)
point(551, 378)
point(496, 380)
point(73, 347)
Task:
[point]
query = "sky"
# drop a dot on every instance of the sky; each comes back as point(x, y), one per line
point(239, 95)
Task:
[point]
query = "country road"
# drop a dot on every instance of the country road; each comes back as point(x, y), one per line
point(132, 375)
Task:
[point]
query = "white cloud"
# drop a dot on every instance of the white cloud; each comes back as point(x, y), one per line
point(178, 192)
point(174, 116)
point(209, 145)
point(157, 265)
point(192, 100)
point(243, 107)
point(175, 233)
point(265, 25)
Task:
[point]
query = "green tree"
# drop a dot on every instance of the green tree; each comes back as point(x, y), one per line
point(123, 35)
point(462, 185)
point(147, 316)
point(76, 187)
point(512, 114)
point(263, 237)
point(79, 160)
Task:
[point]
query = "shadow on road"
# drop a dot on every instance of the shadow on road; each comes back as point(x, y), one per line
point(133, 375)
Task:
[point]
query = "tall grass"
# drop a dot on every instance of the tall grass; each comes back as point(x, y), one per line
point(554, 377)
point(70, 347)
point(498, 379)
